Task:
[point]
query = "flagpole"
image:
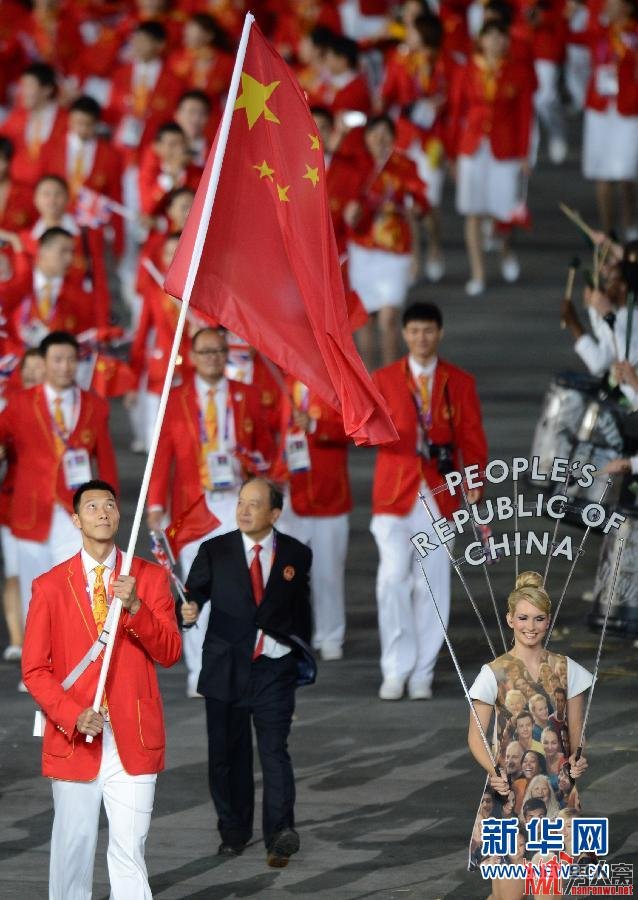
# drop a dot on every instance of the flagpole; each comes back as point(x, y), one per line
point(202, 228)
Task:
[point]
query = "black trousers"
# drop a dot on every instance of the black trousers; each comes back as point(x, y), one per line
point(270, 701)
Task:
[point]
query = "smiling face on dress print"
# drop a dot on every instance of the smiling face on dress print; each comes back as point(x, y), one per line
point(531, 728)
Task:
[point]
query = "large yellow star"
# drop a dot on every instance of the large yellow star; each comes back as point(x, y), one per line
point(314, 142)
point(283, 193)
point(311, 175)
point(264, 170)
point(254, 98)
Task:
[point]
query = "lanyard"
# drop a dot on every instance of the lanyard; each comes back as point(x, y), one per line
point(424, 416)
point(304, 405)
point(75, 414)
point(203, 437)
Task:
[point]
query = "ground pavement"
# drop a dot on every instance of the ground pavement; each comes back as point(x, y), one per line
point(386, 792)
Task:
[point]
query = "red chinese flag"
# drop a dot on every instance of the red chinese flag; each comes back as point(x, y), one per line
point(269, 268)
point(112, 377)
point(195, 523)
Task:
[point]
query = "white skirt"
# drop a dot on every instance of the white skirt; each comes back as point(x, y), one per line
point(610, 146)
point(380, 278)
point(432, 176)
point(487, 186)
point(9, 552)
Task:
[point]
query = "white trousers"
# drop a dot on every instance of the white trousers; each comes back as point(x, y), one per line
point(36, 557)
point(224, 506)
point(327, 537)
point(9, 543)
point(148, 406)
point(547, 102)
point(128, 801)
point(409, 630)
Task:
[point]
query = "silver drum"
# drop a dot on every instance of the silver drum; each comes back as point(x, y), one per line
point(623, 614)
point(562, 412)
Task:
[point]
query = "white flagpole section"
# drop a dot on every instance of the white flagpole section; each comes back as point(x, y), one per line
point(200, 237)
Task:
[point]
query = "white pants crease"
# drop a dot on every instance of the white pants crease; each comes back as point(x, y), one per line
point(409, 630)
point(327, 537)
point(128, 802)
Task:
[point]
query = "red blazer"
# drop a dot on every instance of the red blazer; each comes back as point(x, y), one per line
point(176, 468)
point(456, 419)
point(25, 168)
point(213, 78)
point(325, 489)
point(160, 313)
point(18, 210)
point(39, 480)
point(499, 109)
point(105, 176)
point(544, 26)
point(613, 46)
point(60, 629)
point(152, 193)
point(74, 311)
point(345, 180)
point(384, 223)
point(87, 272)
point(161, 105)
point(354, 95)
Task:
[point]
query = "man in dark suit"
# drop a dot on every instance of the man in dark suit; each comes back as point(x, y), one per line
point(257, 580)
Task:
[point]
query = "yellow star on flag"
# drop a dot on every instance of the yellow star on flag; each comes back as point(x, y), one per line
point(254, 98)
point(283, 193)
point(264, 170)
point(312, 175)
point(314, 142)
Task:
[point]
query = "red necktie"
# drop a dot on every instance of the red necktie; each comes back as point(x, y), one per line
point(257, 582)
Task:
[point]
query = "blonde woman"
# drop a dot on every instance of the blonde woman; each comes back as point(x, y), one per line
point(540, 788)
point(528, 615)
point(540, 710)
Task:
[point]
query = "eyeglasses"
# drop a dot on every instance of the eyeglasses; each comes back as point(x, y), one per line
point(211, 352)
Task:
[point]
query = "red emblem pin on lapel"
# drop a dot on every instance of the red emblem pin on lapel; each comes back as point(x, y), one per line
point(289, 573)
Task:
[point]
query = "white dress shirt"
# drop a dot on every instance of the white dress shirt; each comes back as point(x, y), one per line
point(146, 73)
point(85, 150)
point(225, 418)
point(67, 222)
point(89, 565)
point(417, 370)
point(272, 648)
point(40, 282)
point(40, 124)
point(70, 404)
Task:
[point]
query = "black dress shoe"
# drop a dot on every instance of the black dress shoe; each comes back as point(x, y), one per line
point(282, 848)
point(229, 850)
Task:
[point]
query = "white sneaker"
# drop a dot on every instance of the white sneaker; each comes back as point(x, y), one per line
point(12, 653)
point(330, 652)
point(435, 268)
point(391, 689)
point(557, 150)
point(587, 596)
point(422, 691)
point(510, 268)
point(474, 287)
point(192, 694)
point(22, 688)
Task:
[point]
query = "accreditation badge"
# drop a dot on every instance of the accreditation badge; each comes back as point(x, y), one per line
point(297, 453)
point(220, 470)
point(607, 80)
point(77, 467)
point(130, 131)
